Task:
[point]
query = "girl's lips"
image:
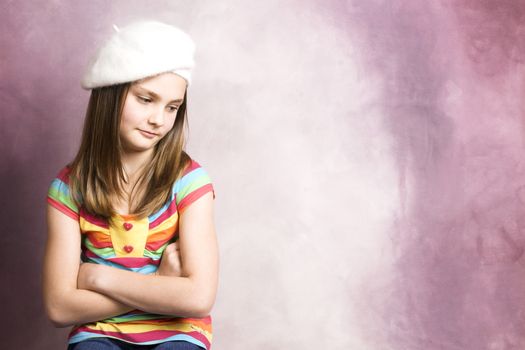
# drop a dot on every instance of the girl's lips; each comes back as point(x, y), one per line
point(148, 134)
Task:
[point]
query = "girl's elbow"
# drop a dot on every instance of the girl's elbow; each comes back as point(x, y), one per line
point(59, 323)
point(193, 309)
point(201, 311)
point(203, 304)
point(57, 317)
point(198, 312)
point(56, 313)
point(202, 299)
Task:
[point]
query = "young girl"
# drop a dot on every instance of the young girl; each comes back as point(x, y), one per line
point(131, 260)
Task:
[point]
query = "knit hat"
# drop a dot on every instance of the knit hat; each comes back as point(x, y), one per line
point(140, 50)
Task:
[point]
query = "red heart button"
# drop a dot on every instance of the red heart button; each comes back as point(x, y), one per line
point(128, 248)
point(127, 226)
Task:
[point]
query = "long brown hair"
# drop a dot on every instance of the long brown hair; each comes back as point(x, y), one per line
point(97, 174)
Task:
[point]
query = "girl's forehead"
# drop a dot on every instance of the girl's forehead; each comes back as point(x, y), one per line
point(167, 84)
point(167, 77)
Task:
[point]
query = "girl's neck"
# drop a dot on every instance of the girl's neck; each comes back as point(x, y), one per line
point(134, 163)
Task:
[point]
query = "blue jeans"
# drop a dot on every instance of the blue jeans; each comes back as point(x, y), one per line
point(115, 344)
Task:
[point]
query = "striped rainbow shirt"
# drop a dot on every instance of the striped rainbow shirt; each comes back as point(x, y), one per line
point(136, 245)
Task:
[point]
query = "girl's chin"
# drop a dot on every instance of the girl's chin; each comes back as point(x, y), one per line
point(139, 147)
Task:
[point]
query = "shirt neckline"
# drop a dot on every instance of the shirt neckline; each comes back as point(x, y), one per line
point(127, 216)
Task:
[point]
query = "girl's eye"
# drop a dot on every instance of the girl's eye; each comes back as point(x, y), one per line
point(144, 99)
point(173, 108)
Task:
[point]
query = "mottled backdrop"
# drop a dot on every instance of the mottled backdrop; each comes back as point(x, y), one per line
point(368, 159)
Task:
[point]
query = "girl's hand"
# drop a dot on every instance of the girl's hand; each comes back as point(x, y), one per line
point(171, 264)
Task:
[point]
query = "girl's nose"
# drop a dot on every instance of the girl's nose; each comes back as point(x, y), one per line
point(157, 117)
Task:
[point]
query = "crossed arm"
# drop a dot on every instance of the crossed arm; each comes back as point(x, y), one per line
point(79, 293)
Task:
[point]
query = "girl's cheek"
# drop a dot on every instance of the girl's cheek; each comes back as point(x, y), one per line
point(135, 105)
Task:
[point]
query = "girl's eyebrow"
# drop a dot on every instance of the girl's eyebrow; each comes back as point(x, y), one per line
point(157, 96)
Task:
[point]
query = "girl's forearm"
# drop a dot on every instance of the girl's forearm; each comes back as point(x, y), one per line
point(84, 306)
point(166, 295)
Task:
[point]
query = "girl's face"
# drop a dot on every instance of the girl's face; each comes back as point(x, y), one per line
point(149, 111)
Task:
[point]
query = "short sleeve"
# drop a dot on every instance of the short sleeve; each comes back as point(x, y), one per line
point(59, 197)
point(194, 183)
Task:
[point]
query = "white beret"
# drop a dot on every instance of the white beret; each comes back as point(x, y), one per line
point(140, 50)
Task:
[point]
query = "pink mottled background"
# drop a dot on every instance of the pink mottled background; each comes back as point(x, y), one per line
point(368, 159)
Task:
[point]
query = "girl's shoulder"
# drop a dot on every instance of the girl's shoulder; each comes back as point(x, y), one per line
point(192, 165)
point(63, 174)
point(59, 196)
point(193, 184)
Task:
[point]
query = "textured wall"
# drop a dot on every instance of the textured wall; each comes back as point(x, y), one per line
point(367, 158)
